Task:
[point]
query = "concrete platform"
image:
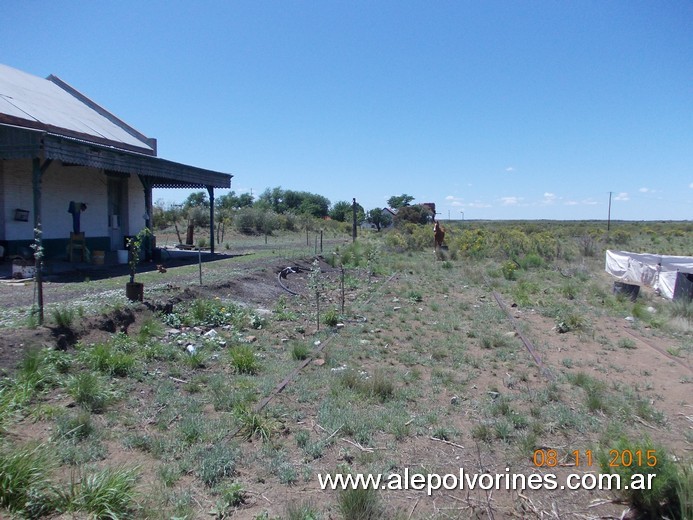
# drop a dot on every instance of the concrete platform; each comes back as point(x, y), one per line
point(60, 270)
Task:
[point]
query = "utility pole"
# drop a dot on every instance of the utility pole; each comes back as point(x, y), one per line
point(608, 219)
point(353, 228)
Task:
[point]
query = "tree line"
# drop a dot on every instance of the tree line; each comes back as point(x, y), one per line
point(278, 208)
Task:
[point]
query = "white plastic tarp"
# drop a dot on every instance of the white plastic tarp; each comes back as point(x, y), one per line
point(657, 271)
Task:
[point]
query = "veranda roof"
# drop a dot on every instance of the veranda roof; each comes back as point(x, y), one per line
point(47, 118)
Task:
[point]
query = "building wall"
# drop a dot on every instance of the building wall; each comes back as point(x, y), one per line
point(60, 185)
point(17, 194)
point(2, 200)
point(75, 183)
point(136, 209)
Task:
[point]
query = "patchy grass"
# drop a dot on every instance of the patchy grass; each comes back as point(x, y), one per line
point(426, 363)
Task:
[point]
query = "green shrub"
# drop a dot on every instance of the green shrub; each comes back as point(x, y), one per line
point(233, 495)
point(665, 497)
point(626, 343)
point(509, 269)
point(531, 261)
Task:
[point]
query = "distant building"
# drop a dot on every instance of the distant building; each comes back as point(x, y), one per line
point(431, 206)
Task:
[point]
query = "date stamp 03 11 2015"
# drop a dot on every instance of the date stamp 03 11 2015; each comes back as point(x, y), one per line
point(550, 458)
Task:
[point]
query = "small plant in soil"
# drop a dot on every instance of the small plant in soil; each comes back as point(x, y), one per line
point(134, 246)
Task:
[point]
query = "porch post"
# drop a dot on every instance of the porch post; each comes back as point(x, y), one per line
point(210, 190)
point(147, 184)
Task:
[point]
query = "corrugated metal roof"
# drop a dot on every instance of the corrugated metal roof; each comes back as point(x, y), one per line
point(49, 118)
point(51, 104)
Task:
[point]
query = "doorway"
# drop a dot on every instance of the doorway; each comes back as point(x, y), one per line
point(117, 209)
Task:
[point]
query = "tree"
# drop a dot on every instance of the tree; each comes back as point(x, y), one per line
point(164, 216)
point(342, 211)
point(415, 214)
point(400, 201)
point(196, 200)
point(232, 201)
point(379, 218)
point(298, 202)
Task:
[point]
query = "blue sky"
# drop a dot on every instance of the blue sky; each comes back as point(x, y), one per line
point(491, 109)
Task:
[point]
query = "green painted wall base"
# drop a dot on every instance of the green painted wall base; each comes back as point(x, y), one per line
point(54, 248)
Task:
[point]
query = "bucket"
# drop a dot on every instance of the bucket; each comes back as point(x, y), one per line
point(123, 256)
point(97, 257)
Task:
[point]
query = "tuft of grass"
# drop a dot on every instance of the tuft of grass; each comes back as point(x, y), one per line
point(216, 463)
point(255, 425)
point(79, 426)
point(150, 329)
point(682, 308)
point(63, 317)
point(108, 493)
point(300, 351)
point(626, 343)
point(570, 321)
point(331, 317)
point(109, 359)
point(35, 373)
point(494, 340)
point(243, 360)
point(378, 386)
point(414, 296)
point(359, 504)
point(301, 510)
point(90, 391)
point(24, 488)
point(482, 432)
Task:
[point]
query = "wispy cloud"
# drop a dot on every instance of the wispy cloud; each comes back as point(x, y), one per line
point(590, 202)
point(571, 203)
point(510, 169)
point(691, 185)
point(644, 190)
point(510, 201)
point(549, 198)
point(479, 204)
point(622, 196)
point(455, 202)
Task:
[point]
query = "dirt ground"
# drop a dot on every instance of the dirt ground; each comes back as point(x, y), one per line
point(664, 378)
